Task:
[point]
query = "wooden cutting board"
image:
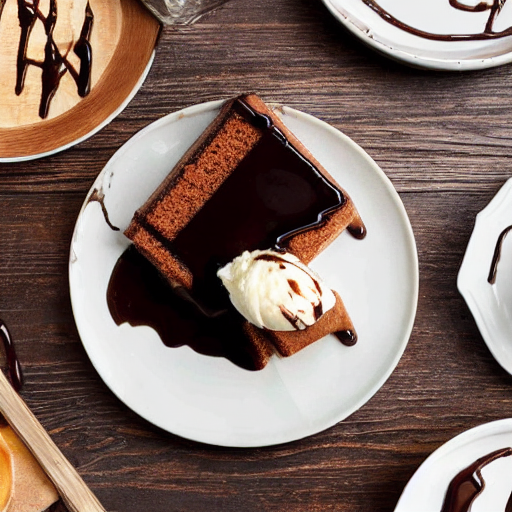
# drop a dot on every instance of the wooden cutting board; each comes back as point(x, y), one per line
point(121, 36)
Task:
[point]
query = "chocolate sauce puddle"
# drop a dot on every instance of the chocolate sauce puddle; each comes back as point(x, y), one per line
point(13, 367)
point(488, 32)
point(497, 255)
point(54, 65)
point(137, 294)
point(467, 485)
point(259, 206)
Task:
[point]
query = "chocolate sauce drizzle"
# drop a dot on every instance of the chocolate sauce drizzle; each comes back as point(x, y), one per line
point(357, 230)
point(99, 197)
point(347, 337)
point(13, 367)
point(467, 485)
point(488, 32)
point(55, 65)
point(259, 206)
point(497, 255)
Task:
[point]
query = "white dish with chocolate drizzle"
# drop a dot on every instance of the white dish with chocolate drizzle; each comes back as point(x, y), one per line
point(469, 473)
point(211, 399)
point(434, 34)
point(485, 275)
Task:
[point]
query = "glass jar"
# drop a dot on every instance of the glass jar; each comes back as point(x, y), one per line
point(181, 12)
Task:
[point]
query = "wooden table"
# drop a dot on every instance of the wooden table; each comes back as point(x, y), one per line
point(444, 140)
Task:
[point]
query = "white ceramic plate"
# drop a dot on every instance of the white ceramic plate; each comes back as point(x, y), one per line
point(491, 305)
point(426, 490)
point(437, 17)
point(210, 399)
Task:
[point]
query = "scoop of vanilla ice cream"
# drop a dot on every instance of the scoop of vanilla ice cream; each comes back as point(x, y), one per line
point(276, 291)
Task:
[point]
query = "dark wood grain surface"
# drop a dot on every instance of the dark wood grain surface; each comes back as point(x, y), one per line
point(443, 139)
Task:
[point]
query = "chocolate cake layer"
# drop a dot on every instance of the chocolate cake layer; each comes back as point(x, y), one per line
point(192, 182)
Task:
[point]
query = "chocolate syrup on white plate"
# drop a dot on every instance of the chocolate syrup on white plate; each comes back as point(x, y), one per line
point(488, 33)
point(468, 484)
point(497, 255)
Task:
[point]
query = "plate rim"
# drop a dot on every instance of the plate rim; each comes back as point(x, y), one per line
point(416, 61)
point(409, 242)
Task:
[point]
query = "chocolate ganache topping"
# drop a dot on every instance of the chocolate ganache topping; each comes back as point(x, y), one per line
point(274, 194)
point(467, 485)
point(497, 255)
point(488, 33)
point(55, 64)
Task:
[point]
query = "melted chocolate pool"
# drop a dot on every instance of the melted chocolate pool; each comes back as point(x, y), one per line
point(137, 294)
point(274, 194)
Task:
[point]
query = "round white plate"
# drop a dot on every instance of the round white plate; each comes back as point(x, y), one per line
point(426, 490)
point(491, 304)
point(210, 399)
point(433, 17)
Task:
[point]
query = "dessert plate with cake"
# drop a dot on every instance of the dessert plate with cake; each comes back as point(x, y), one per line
point(434, 34)
point(67, 68)
point(486, 273)
point(243, 274)
point(469, 473)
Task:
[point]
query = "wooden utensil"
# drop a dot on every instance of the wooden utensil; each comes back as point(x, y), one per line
point(70, 486)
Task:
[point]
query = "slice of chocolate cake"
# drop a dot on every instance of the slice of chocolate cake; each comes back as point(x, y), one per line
point(247, 183)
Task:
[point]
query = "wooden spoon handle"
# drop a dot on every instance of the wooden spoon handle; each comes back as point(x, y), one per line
point(70, 486)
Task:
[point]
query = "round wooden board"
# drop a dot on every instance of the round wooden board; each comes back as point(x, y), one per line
point(123, 39)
